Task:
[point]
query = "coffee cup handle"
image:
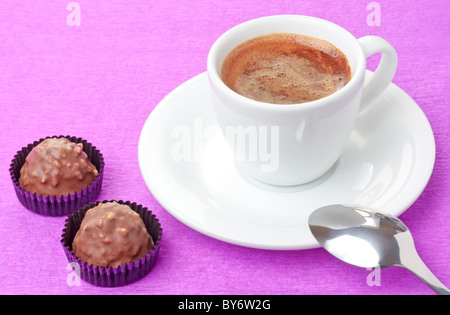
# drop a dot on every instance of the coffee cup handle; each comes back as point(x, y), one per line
point(385, 71)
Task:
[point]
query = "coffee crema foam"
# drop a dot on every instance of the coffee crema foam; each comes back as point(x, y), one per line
point(283, 68)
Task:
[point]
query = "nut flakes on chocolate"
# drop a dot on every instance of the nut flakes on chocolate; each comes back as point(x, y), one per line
point(110, 235)
point(56, 167)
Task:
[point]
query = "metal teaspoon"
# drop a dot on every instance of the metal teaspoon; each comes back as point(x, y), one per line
point(370, 239)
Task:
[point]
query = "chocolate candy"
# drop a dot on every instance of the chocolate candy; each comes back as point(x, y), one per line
point(110, 235)
point(56, 167)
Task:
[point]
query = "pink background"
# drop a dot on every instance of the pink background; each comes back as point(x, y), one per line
point(100, 81)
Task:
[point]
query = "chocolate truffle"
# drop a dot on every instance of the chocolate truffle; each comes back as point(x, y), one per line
point(56, 167)
point(111, 234)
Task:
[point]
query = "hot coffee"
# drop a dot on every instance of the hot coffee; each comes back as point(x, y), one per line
point(283, 68)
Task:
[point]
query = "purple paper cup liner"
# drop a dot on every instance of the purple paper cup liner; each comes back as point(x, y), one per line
point(122, 275)
point(64, 205)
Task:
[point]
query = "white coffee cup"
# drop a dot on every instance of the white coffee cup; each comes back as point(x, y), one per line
point(308, 138)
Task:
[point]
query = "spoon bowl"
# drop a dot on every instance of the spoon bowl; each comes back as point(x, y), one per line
point(369, 238)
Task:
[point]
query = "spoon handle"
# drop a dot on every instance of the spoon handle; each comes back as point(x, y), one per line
point(414, 263)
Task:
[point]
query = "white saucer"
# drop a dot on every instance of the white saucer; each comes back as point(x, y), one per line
point(386, 164)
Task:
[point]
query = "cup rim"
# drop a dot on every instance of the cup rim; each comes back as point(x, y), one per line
point(216, 81)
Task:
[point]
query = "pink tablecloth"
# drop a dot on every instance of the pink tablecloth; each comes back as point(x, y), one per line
point(101, 80)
